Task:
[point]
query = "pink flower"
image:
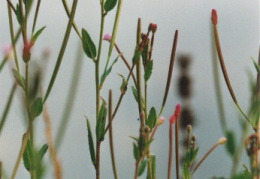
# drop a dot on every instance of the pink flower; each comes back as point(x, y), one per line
point(214, 17)
point(107, 37)
point(175, 116)
point(7, 50)
point(222, 140)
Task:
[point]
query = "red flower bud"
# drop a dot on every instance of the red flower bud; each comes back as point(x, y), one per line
point(176, 114)
point(214, 17)
point(152, 27)
point(27, 51)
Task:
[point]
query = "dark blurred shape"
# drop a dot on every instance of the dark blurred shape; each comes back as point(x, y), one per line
point(184, 85)
point(187, 117)
point(184, 62)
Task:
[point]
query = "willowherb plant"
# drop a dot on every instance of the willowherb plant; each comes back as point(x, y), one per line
point(140, 70)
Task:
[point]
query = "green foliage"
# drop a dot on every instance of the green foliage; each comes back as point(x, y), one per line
point(28, 156)
point(190, 156)
point(142, 167)
point(109, 5)
point(19, 79)
point(36, 107)
point(18, 14)
point(91, 144)
point(136, 152)
point(123, 86)
point(255, 112)
point(136, 56)
point(106, 73)
point(148, 70)
point(38, 33)
point(152, 118)
point(153, 162)
point(257, 67)
point(88, 45)
point(231, 142)
point(101, 122)
point(134, 90)
point(186, 172)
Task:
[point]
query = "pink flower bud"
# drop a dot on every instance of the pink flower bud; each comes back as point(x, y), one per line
point(222, 140)
point(214, 17)
point(152, 27)
point(176, 114)
point(27, 50)
point(107, 37)
point(161, 120)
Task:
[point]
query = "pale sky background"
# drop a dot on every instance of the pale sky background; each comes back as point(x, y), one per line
point(238, 27)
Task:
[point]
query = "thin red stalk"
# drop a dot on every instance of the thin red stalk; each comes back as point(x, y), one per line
point(170, 151)
point(177, 148)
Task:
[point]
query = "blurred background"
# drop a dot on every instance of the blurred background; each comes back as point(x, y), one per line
point(238, 27)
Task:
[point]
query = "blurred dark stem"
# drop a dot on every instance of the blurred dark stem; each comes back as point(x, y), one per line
point(177, 148)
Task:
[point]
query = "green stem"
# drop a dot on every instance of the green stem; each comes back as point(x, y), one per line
point(36, 16)
point(3, 63)
point(110, 106)
point(71, 98)
point(7, 107)
point(62, 50)
point(65, 4)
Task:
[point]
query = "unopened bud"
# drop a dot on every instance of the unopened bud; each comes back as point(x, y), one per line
point(222, 140)
point(214, 17)
point(189, 129)
point(161, 120)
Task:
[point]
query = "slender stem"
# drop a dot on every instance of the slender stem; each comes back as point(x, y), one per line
point(170, 150)
point(98, 160)
point(65, 4)
point(170, 67)
point(70, 99)
point(11, 5)
point(138, 70)
point(7, 107)
point(22, 149)
point(110, 107)
point(3, 63)
point(204, 157)
point(62, 50)
point(150, 167)
point(177, 149)
point(36, 15)
point(136, 169)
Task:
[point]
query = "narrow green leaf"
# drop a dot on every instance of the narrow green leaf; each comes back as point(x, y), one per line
point(231, 142)
point(142, 167)
point(106, 73)
point(257, 67)
point(186, 173)
point(123, 86)
point(255, 112)
point(43, 151)
point(153, 161)
point(136, 152)
point(27, 156)
point(136, 56)
point(190, 156)
point(135, 138)
point(36, 107)
point(37, 34)
point(109, 5)
point(88, 45)
point(147, 144)
point(18, 14)
point(91, 144)
point(148, 70)
point(101, 123)
point(19, 79)
point(134, 90)
point(152, 117)
point(246, 171)
point(145, 52)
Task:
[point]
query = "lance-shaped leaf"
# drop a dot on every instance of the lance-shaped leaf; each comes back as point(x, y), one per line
point(36, 107)
point(101, 122)
point(18, 14)
point(106, 73)
point(43, 150)
point(153, 162)
point(136, 152)
point(231, 142)
point(134, 90)
point(142, 167)
point(28, 156)
point(152, 118)
point(88, 45)
point(123, 86)
point(109, 5)
point(190, 156)
point(19, 79)
point(37, 34)
point(91, 144)
point(257, 67)
point(148, 70)
point(136, 56)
